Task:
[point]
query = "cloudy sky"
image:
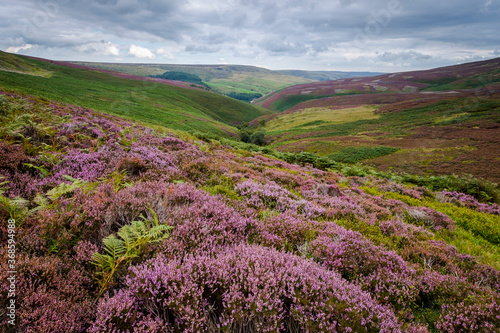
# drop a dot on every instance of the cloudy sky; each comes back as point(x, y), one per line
point(354, 35)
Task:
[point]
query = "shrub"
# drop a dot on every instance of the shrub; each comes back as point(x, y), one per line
point(133, 165)
point(232, 291)
point(13, 157)
point(53, 295)
point(478, 315)
point(430, 218)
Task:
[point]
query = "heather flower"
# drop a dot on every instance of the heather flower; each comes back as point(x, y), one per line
point(479, 315)
point(246, 287)
point(430, 218)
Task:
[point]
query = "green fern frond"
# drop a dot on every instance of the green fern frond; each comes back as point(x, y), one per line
point(159, 233)
point(65, 188)
point(100, 260)
point(114, 247)
point(43, 172)
point(128, 244)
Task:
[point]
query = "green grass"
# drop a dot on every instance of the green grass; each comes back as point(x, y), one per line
point(154, 103)
point(319, 118)
point(292, 100)
point(12, 63)
point(289, 101)
point(353, 155)
point(475, 233)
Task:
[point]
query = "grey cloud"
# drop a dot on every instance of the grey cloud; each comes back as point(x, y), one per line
point(403, 56)
point(251, 30)
point(202, 49)
point(277, 46)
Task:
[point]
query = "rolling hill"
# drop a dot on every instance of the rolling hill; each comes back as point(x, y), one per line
point(222, 78)
point(326, 75)
point(173, 104)
point(228, 79)
point(439, 121)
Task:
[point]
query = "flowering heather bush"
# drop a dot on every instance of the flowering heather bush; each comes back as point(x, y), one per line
point(481, 315)
point(287, 178)
point(52, 295)
point(86, 166)
point(153, 157)
point(200, 221)
point(288, 232)
point(430, 218)
point(12, 157)
point(399, 188)
point(231, 292)
point(352, 254)
point(396, 227)
point(129, 203)
point(273, 196)
point(462, 199)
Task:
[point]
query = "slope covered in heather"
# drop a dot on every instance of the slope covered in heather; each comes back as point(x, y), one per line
point(160, 102)
point(119, 227)
point(466, 76)
point(435, 122)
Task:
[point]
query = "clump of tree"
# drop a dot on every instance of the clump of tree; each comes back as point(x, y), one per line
point(248, 134)
point(245, 97)
point(181, 76)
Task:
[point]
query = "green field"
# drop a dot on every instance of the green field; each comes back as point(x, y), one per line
point(318, 117)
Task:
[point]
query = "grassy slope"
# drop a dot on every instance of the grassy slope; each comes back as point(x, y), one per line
point(12, 63)
point(462, 132)
point(222, 78)
point(154, 103)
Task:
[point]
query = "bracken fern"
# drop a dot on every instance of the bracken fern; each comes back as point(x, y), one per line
point(121, 250)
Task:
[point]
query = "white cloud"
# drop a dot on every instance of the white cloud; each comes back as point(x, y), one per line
point(170, 51)
point(99, 48)
point(140, 52)
point(15, 49)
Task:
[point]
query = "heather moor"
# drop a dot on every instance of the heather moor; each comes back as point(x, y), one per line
point(236, 166)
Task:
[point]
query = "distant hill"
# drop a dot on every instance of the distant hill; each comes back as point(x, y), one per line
point(222, 78)
point(326, 75)
point(168, 103)
point(439, 121)
point(467, 76)
point(235, 79)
